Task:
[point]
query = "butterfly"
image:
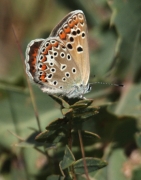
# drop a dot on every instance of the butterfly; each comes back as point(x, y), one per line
point(60, 64)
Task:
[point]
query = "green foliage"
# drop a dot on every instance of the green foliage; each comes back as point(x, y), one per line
point(93, 164)
point(66, 129)
point(109, 122)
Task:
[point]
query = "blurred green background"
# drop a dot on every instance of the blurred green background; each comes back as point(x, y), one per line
point(114, 28)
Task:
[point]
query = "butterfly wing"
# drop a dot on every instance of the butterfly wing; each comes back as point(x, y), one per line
point(31, 57)
point(72, 30)
point(51, 66)
point(60, 63)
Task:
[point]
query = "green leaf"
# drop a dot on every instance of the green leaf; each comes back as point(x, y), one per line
point(50, 137)
point(79, 106)
point(30, 141)
point(82, 104)
point(44, 135)
point(86, 134)
point(89, 111)
point(138, 139)
point(55, 177)
point(136, 173)
point(129, 104)
point(68, 159)
point(25, 144)
point(85, 101)
point(92, 164)
point(126, 17)
point(67, 112)
point(116, 159)
point(102, 57)
point(58, 123)
point(18, 117)
point(115, 163)
point(61, 101)
point(88, 138)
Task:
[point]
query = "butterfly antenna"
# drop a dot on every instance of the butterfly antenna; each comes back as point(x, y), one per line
point(110, 84)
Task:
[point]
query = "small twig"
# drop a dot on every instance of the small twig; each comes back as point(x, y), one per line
point(19, 138)
point(69, 134)
point(30, 89)
point(83, 155)
point(70, 146)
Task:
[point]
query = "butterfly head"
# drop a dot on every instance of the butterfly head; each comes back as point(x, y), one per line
point(79, 91)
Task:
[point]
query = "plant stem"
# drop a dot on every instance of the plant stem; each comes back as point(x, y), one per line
point(83, 155)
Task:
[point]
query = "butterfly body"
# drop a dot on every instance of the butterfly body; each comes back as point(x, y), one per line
point(60, 63)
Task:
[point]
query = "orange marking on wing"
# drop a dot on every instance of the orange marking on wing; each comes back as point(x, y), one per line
point(71, 24)
point(33, 70)
point(44, 59)
point(67, 29)
point(55, 45)
point(81, 20)
point(44, 67)
point(42, 78)
point(49, 47)
point(62, 35)
point(33, 62)
point(35, 52)
point(75, 21)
